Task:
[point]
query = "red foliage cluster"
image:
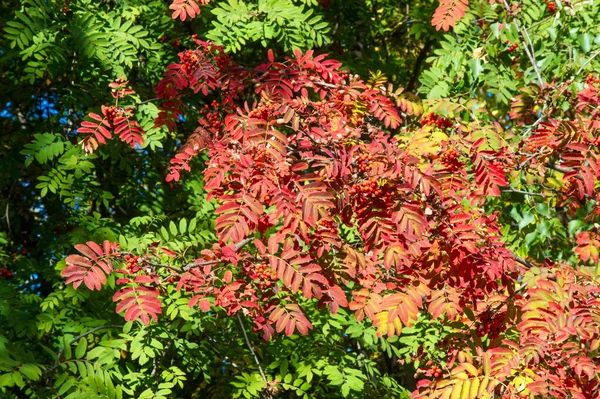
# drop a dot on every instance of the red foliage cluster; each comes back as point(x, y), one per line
point(187, 8)
point(113, 121)
point(448, 13)
point(438, 121)
point(571, 148)
point(320, 153)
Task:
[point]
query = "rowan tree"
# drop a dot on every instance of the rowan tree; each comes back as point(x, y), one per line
point(303, 231)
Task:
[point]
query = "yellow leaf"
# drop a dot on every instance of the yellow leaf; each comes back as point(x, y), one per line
point(471, 369)
point(487, 364)
point(456, 390)
point(466, 389)
point(483, 386)
point(474, 389)
point(447, 392)
point(461, 376)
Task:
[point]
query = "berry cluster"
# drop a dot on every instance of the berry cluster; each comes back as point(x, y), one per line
point(450, 159)
point(432, 371)
point(133, 263)
point(189, 60)
point(529, 146)
point(512, 47)
point(110, 113)
point(5, 273)
point(592, 80)
point(490, 324)
point(210, 118)
point(222, 61)
point(551, 7)
point(265, 274)
point(366, 188)
point(435, 120)
point(267, 199)
point(327, 225)
point(261, 157)
point(263, 111)
point(373, 193)
point(365, 162)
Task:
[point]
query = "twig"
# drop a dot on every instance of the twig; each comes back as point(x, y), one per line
point(147, 101)
point(192, 265)
point(558, 168)
point(522, 261)
point(585, 63)
point(534, 125)
point(6, 216)
point(236, 248)
point(77, 338)
point(362, 358)
point(262, 374)
point(156, 362)
point(524, 36)
point(200, 264)
point(241, 244)
point(512, 190)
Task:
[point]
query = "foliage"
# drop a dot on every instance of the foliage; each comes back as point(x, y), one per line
point(185, 218)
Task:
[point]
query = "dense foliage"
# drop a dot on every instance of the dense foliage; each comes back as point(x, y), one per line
point(199, 202)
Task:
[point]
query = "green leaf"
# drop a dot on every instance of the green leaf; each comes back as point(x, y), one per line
point(81, 348)
point(6, 380)
point(585, 41)
point(543, 209)
point(67, 349)
point(528, 217)
point(345, 390)
point(31, 371)
point(18, 379)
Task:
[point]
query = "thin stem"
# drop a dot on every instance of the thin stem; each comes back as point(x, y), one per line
point(558, 168)
point(512, 190)
point(522, 261)
point(526, 41)
point(148, 101)
point(77, 338)
point(262, 374)
point(587, 62)
point(192, 265)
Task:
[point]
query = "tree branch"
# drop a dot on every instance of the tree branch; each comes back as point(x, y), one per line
point(522, 261)
point(512, 190)
point(558, 168)
point(192, 265)
point(417, 68)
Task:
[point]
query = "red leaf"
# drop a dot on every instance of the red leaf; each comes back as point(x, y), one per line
point(204, 305)
point(448, 13)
